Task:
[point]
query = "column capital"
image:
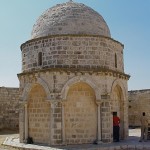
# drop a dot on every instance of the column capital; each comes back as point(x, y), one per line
point(25, 104)
point(63, 103)
point(55, 103)
point(99, 102)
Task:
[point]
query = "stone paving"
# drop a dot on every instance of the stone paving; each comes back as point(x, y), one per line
point(132, 143)
point(3, 135)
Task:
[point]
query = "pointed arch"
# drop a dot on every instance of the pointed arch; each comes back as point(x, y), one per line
point(29, 86)
point(120, 105)
point(78, 79)
point(117, 82)
point(39, 115)
point(80, 105)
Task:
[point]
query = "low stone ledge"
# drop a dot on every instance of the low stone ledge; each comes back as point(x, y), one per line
point(14, 143)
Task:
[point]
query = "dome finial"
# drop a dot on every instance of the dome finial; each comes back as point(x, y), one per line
point(70, 0)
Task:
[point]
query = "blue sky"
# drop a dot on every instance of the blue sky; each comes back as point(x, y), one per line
point(128, 20)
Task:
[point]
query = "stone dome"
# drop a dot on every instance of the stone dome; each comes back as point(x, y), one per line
point(70, 18)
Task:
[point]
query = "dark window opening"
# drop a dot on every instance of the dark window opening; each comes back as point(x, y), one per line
point(40, 59)
point(116, 60)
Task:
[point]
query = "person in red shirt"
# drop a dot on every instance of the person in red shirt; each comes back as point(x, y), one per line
point(116, 128)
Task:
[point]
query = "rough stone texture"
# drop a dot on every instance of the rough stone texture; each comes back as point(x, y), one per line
point(81, 115)
point(56, 85)
point(70, 18)
point(106, 122)
point(9, 108)
point(39, 116)
point(72, 52)
point(56, 123)
point(139, 101)
point(80, 68)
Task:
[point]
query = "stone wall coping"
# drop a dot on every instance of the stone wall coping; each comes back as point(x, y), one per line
point(98, 70)
point(137, 91)
point(69, 35)
point(16, 88)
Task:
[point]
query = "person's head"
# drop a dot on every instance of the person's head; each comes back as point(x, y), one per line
point(143, 113)
point(114, 113)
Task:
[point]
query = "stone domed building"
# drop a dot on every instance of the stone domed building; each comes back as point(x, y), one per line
point(72, 79)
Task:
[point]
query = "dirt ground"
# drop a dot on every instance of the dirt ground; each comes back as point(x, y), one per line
point(3, 135)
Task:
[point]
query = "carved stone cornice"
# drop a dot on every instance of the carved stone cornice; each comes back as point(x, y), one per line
point(68, 35)
point(98, 71)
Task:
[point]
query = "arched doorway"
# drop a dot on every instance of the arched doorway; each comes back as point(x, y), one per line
point(38, 115)
point(118, 106)
point(80, 114)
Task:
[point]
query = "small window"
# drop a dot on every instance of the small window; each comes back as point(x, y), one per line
point(40, 59)
point(115, 60)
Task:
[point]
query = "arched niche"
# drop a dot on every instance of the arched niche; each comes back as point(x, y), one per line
point(38, 111)
point(29, 86)
point(78, 79)
point(80, 114)
point(118, 104)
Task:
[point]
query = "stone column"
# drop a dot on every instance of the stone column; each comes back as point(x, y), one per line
point(63, 125)
point(51, 122)
point(99, 138)
point(21, 122)
point(56, 123)
point(26, 121)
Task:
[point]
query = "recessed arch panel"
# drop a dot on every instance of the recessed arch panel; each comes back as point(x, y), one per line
point(38, 115)
point(80, 114)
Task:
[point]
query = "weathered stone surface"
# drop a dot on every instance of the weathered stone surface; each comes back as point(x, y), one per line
point(71, 54)
point(80, 69)
point(139, 102)
point(70, 18)
point(79, 95)
point(9, 108)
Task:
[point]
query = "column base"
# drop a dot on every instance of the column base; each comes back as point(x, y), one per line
point(99, 142)
point(64, 143)
point(25, 141)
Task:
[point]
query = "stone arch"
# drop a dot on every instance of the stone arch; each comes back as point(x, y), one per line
point(78, 79)
point(118, 98)
point(80, 114)
point(38, 110)
point(119, 83)
point(29, 86)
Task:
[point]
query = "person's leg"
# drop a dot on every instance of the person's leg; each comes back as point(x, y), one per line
point(113, 133)
point(146, 133)
point(117, 133)
point(142, 133)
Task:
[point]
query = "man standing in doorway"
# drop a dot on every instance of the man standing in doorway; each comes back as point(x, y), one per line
point(116, 128)
point(144, 127)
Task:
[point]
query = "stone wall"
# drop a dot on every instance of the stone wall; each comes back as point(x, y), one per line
point(68, 92)
point(81, 114)
point(9, 108)
point(72, 51)
point(39, 116)
point(139, 101)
